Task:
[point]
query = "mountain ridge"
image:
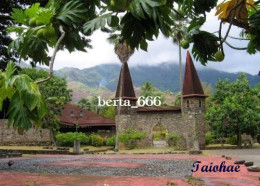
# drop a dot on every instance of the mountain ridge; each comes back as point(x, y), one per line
point(164, 76)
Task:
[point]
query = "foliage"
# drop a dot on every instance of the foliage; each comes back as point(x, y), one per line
point(234, 108)
point(257, 87)
point(130, 137)
point(210, 138)
point(139, 21)
point(6, 20)
point(67, 139)
point(27, 106)
point(148, 89)
point(69, 14)
point(55, 94)
point(111, 141)
point(173, 139)
point(92, 105)
point(159, 132)
point(84, 103)
point(232, 140)
point(96, 140)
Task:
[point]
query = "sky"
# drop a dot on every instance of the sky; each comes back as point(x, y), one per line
point(160, 50)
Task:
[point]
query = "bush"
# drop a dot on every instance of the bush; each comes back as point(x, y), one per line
point(157, 137)
point(130, 137)
point(173, 139)
point(209, 137)
point(96, 140)
point(111, 141)
point(67, 139)
point(232, 140)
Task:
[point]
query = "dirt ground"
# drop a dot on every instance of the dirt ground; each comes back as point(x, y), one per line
point(10, 177)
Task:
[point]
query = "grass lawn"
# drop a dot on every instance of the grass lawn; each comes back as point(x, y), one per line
point(255, 145)
point(149, 150)
point(41, 148)
point(91, 148)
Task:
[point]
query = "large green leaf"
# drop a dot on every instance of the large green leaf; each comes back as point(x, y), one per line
point(45, 15)
point(204, 47)
point(19, 16)
point(18, 113)
point(72, 12)
point(97, 23)
point(26, 107)
point(33, 10)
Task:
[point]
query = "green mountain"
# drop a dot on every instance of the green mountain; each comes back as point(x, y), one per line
point(164, 76)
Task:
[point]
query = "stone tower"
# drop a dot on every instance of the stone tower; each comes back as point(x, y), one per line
point(193, 106)
point(128, 92)
point(124, 120)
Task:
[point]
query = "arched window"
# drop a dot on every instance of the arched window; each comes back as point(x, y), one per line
point(199, 103)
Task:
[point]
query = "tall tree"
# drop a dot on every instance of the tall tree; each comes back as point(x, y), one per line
point(56, 95)
point(84, 103)
point(234, 108)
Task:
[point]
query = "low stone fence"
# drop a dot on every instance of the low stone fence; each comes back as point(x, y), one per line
point(9, 136)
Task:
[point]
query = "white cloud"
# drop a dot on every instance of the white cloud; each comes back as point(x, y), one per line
point(161, 50)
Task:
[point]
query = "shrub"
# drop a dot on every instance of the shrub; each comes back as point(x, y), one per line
point(156, 137)
point(209, 137)
point(96, 140)
point(130, 137)
point(173, 139)
point(111, 141)
point(67, 139)
point(232, 140)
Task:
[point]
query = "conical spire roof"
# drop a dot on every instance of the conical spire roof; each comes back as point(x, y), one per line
point(191, 85)
point(128, 88)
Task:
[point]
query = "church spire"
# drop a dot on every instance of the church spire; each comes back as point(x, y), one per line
point(191, 85)
point(128, 89)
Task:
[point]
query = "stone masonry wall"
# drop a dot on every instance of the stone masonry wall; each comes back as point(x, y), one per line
point(9, 136)
point(194, 115)
point(146, 121)
point(192, 120)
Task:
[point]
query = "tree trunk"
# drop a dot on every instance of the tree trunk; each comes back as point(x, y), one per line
point(53, 137)
point(239, 138)
point(119, 107)
point(180, 68)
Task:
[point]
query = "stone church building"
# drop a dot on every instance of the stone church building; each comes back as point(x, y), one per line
point(190, 125)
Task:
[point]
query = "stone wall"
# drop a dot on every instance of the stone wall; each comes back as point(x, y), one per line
point(189, 127)
point(194, 116)
point(9, 136)
point(146, 121)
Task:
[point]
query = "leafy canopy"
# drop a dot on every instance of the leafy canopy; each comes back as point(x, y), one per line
point(27, 107)
point(234, 108)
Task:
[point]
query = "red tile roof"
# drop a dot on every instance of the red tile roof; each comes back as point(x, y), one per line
point(191, 85)
point(158, 109)
point(89, 118)
point(128, 88)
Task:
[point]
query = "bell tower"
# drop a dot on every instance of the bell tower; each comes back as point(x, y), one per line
point(193, 106)
point(127, 89)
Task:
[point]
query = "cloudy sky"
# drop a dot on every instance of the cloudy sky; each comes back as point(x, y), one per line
point(161, 50)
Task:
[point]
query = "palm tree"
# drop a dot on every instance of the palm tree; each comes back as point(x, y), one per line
point(123, 52)
point(147, 89)
point(179, 31)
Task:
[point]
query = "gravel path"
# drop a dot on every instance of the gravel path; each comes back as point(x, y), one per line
point(246, 154)
point(151, 167)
